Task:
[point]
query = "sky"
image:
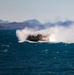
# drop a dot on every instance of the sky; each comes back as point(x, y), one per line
point(42, 10)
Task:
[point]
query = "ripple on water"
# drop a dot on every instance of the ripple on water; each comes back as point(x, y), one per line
point(5, 50)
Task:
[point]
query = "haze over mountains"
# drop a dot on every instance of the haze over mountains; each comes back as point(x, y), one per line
point(6, 25)
point(2, 21)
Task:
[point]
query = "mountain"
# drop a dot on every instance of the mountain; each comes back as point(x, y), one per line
point(33, 21)
point(59, 23)
point(49, 24)
point(65, 23)
point(6, 25)
point(2, 21)
point(20, 25)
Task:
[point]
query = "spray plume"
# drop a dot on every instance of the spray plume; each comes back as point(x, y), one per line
point(56, 33)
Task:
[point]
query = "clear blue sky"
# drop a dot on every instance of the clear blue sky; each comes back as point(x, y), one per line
point(42, 10)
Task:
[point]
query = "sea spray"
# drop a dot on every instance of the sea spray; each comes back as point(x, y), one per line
point(56, 33)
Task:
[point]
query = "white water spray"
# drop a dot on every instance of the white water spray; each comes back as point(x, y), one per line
point(56, 34)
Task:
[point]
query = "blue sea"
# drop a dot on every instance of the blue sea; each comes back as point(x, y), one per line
point(34, 58)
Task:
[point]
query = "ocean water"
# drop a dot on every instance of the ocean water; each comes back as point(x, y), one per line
point(34, 58)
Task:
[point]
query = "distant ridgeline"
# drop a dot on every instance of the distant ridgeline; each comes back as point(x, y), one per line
point(6, 25)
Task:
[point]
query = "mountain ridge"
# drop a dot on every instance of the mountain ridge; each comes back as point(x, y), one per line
point(33, 23)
